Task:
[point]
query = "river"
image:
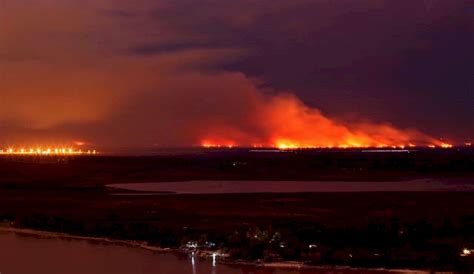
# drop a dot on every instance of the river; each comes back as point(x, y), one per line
point(222, 187)
point(21, 254)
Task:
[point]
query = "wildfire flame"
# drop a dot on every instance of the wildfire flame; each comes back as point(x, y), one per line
point(284, 122)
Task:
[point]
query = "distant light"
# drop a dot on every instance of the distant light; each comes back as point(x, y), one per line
point(466, 252)
point(445, 145)
point(284, 144)
point(214, 260)
point(386, 150)
point(41, 151)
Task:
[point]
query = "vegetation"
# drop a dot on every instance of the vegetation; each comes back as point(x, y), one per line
point(391, 229)
point(392, 245)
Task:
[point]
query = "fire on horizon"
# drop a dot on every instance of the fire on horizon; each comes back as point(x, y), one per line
point(290, 146)
point(285, 122)
point(328, 75)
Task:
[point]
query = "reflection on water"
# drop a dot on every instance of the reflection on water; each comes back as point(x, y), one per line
point(218, 187)
point(25, 254)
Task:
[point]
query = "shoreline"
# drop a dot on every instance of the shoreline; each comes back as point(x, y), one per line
point(295, 265)
point(226, 187)
point(60, 235)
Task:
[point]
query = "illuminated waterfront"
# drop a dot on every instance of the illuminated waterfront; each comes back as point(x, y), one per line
point(40, 151)
point(28, 254)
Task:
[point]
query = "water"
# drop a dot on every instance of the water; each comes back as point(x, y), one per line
point(220, 187)
point(27, 254)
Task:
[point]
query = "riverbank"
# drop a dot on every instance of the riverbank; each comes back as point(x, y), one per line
point(305, 227)
point(392, 229)
point(6, 228)
point(238, 187)
point(48, 234)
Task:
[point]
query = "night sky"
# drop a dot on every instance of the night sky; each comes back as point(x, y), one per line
point(143, 73)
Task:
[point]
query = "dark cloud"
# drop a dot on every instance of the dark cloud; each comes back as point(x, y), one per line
point(165, 72)
point(168, 48)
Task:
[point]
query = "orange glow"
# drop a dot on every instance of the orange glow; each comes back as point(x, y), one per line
point(445, 145)
point(43, 151)
point(286, 145)
point(292, 145)
point(79, 143)
point(209, 144)
point(284, 122)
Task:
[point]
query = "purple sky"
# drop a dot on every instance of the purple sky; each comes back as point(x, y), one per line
point(153, 72)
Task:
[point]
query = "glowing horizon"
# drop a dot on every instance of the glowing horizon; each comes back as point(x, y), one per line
point(288, 145)
point(45, 151)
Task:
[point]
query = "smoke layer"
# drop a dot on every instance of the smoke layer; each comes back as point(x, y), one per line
point(156, 73)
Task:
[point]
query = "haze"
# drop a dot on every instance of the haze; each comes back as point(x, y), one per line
point(146, 73)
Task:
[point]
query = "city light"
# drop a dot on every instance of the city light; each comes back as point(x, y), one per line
point(466, 252)
point(445, 145)
point(45, 151)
